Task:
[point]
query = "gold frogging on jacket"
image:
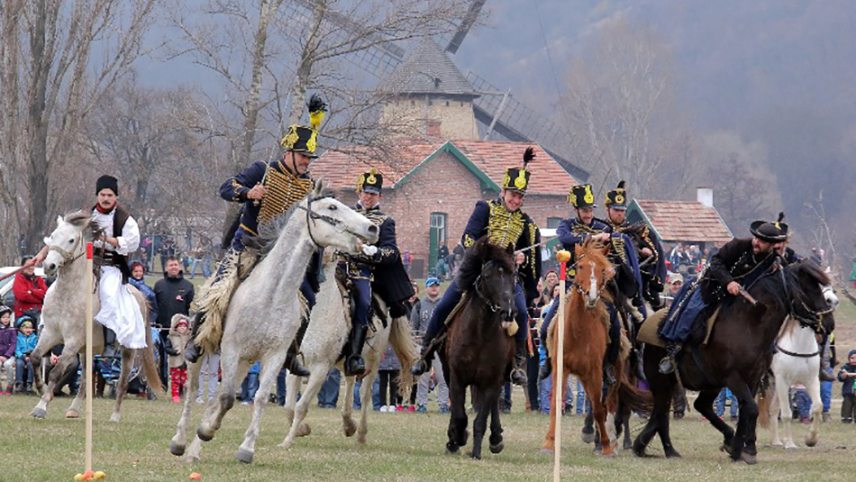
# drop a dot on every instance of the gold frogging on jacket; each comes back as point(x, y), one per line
point(284, 189)
point(503, 227)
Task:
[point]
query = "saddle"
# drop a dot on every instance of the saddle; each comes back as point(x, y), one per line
point(648, 330)
point(510, 327)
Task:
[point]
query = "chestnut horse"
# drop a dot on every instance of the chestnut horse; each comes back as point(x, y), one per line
point(586, 337)
point(478, 350)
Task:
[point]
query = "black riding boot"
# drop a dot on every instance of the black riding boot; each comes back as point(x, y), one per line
point(667, 363)
point(354, 364)
point(423, 364)
point(518, 370)
point(192, 351)
point(292, 359)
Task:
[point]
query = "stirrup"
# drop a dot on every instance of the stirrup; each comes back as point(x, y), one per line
point(545, 370)
point(192, 352)
point(355, 365)
point(518, 377)
point(419, 367)
point(609, 374)
point(667, 365)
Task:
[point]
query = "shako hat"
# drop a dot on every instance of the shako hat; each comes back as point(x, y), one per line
point(304, 139)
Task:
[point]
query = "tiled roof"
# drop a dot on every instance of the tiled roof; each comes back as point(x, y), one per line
point(491, 158)
point(685, 221)
point(427, 70)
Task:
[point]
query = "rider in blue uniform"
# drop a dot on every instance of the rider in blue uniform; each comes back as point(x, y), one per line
point(266, 190)
point(502, 221)
point(577, 230)
point(378, 268)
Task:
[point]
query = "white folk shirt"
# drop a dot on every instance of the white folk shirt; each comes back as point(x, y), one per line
point(119, 309)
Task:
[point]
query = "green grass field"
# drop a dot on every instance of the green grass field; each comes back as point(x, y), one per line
point(401, 446)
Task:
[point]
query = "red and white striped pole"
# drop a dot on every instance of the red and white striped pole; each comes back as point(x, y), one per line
point(562, 257)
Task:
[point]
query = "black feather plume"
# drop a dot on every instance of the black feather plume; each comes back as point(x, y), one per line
point(316, 104)
point(620, 184)
point(781, 217)
point(528, 156)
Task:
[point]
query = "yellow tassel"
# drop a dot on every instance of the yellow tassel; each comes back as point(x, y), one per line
point(315, 118)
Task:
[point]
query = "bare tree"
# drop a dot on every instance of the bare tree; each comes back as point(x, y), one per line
point(622, 111)
point(51, 83)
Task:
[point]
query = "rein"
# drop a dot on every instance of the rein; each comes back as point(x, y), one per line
point(312, 216)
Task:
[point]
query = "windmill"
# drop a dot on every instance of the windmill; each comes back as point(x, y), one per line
point(497, 111)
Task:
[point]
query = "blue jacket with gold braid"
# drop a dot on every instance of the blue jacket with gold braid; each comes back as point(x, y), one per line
point(503, 227)
point(390, 280)
point(283, 189)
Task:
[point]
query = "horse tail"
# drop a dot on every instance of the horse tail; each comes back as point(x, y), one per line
point(406, 350)
point(149, 365)
point(638, 400)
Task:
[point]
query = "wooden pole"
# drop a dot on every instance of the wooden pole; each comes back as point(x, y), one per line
point(89, 357)
point(558, 387)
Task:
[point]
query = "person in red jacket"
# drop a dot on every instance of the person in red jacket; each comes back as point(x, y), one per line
point(29, 289)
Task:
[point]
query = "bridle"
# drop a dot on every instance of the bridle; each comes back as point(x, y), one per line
point(68, 256)
point(592, 279)
point(806, 316)
point(312, 217)
point(494, 307)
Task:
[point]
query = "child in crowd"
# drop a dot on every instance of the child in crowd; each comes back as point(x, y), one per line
point(8, 338)
point(179, 335)
point(24, 346)
point(847, 377)
point(388, 372)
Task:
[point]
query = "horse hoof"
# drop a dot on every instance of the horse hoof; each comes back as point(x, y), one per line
point(191, 459)
point(810, 442)
point(474, 456)
point(72, 414)
point(639, 450)
point(176, 449)
point(204, 435)
point(304, 430)
point(672, 454)
point(725, 448)
point(750, 459)
point(349, 427)
point(39, 413)
point(244, 456)
point(116, 418)
point(495, 449)
point(587, 437)
point(627, 445)
point(451, 448)
point(546, 451)
point(778, 445)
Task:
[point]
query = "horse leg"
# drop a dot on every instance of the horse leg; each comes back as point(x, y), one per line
point(587, 432)
point(593, 385)
point(550, 438)
point(458, 415)
point(488, 397)
point(662, 387)
point(299, 408)
point(773, 414)
point(365, 400)
point(622, 424)
point(48, 339)
point(743, 444)
point(234, 371)
point(179, 440)
point(122, 384)
point(348, 425)
point(496, 444)
point(812, 386)
point(783, 397)
point(704, 406)
point(271, 364)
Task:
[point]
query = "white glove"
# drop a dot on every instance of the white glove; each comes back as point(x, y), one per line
point(369, 250)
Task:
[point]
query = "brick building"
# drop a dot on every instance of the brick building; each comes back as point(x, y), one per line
point(689, 222)
point(431, 189)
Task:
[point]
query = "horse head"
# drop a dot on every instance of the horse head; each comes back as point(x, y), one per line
point(332, 223)
point(489, 271)
point(593, 270)
point(67, 242)
point(813, 300)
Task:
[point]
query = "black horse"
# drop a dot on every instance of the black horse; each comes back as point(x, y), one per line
point(478, 351)
point(737, 355)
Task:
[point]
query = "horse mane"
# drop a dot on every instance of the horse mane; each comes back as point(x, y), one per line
point(813, 270)
point(269, 233)
point(84, 217)
point(476, 256)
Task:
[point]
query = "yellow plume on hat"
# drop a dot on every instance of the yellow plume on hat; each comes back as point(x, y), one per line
point(317, 108)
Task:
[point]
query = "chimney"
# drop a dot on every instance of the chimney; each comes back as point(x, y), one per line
point(704, 195)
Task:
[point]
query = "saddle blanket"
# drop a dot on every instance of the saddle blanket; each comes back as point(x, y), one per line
point(648, 330)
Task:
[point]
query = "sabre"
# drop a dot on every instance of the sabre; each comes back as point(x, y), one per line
point(256, 202)
point(749, 298)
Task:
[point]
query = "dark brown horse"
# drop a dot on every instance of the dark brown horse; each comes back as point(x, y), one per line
point(585, 343)
point(478, 350)
point(736, 356)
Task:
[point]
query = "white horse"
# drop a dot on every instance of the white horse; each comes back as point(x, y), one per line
point(797, 360)
point(64, 317)
point(264, 313)
point(322, 345)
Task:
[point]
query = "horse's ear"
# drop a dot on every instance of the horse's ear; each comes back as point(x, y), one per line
point(319, 188)
point(59, 221)
point(47, 240)
point(578, 250)
point(509, 249)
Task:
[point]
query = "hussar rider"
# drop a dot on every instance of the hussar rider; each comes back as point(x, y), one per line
point(266, 190)
point(503, 223)
point(378, 269)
